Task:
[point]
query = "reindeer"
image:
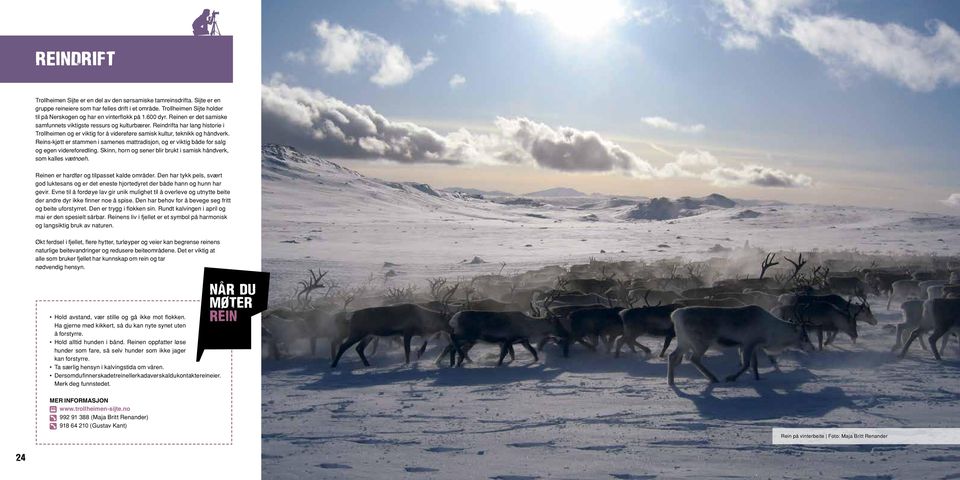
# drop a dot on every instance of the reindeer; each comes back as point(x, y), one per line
point(822, 316)
point(558, 298)
point(489, 305)
point(702, 292)
point(762, 299)
point(846, 285)
point(520, 296)
point(711, 302)
point(593, 285)
point(881, 282)
point(301, 321)
point(405, 319)
point(911, 312)
point(270, 343)
point(482, 305)
point(861, 311)
point(904, 290)
point(647, 320)
point(749, 327)
point(503, 328)
point(856, 311)
point(935, 291)
point(559, 314)
point(654, 296)
point(924, 275)
point(741, 284)
point(926, 285)
point(305, 320)
point(940, 316)
point(595, 323)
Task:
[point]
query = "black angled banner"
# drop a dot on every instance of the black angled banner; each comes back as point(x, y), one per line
point(230, 299)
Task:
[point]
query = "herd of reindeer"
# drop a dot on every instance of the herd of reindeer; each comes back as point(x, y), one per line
point(616, 303)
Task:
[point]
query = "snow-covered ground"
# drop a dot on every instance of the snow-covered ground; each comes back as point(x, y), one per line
point(593, 416)
point(588, 416)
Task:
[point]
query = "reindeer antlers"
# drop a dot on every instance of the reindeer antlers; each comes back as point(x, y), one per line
point(796, 265)
point(401, 294)
point(623, 292)
point(603, 273)
point(545, 303)
point(348, 296)
point(646, 299)
point(307, 286)
point(695, 270)
point(445, 298)
point(768, 262)
point(436, 287)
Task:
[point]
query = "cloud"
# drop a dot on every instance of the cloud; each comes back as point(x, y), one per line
point(326, 126)
point(323, 125)
point(760, 17)
point(297, 57)
point(757, 176)
point(660, 149)
point(917, 61)
point(346, 50)
point(687, 164)
point(740, 41)
point(457, 80)
point(319, 124)
point(920, 61)
point(565, 148)
point(699, 158)
point(953, 200)
point(703, 165)
point(620, 11)
point(480, 6)
point(664, 124)
point(645, 15)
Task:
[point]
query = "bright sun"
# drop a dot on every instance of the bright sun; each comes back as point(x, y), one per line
point(582, 19)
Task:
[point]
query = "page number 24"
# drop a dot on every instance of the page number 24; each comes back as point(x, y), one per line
point(21, 457)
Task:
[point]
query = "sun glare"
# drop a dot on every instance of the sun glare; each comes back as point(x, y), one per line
point(581, 19)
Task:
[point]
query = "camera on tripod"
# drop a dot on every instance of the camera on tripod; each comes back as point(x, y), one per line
point(214, 28)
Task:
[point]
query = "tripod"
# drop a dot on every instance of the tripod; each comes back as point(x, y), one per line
point(214, 28)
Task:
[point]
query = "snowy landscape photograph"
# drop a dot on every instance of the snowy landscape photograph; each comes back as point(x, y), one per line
point(627, 239)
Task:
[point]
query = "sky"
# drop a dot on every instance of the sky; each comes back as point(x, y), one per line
point(853, 102)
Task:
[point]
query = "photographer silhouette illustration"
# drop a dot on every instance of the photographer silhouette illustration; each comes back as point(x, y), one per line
point(206, 23)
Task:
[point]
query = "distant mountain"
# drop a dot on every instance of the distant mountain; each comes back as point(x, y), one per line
point(423, 187)
point(556, 192)
point(476, 191)
point(665, 209)
point(288, 173)
point(320, 186)
point(281, 161)
point(718, 200)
